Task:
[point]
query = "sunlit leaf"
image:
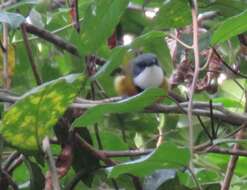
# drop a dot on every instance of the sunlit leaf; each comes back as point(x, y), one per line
point(31, 118)
point(13, 19)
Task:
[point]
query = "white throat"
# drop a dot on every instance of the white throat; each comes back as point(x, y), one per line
point(152, 76)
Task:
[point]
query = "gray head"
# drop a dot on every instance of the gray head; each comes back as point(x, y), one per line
point(147, 71)
point(142, 61)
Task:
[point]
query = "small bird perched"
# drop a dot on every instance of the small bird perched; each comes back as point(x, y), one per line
point(143, 72)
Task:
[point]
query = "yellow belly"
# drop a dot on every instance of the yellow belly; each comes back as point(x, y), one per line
point(124, 86)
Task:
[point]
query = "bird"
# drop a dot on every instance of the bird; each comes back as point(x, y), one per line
point(143, 72)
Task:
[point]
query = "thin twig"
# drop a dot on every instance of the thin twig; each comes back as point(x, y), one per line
point(219, 150)
point(199, 108)
point(52, 32)
point(126, 153)
point(180, 41)
point(239, 85)
point(195, 179)
point(98, 154)
point(17, 162)
point(6, 79)
point(207, 147)
point(2, 47)
point(214, 135)
point(52, 166)
point(10, 159)
point(30, 55)
point(7, 4)
point(10, 180)
point(160, 130)
point(196, 73)
point(232, 163)
point(204, 128)
point(229, 67)
point(206, 16)
point(234, 158)
point(208, 60)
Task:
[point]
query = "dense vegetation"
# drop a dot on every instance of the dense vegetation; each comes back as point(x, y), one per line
point(63, 125)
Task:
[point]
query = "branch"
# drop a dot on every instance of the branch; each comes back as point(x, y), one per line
point(98, 154)
point(199, 108)
point(236, 152)
point(52, 38)
point(207, 148)
point(234, 158)
point(206, 16)
point(7, 4)
point(52, 181)
point(9, 179)
point(229, 67)
point(10, 159)
point(63, 164)
point(102, 156)
point(196, 73)
point(187, 46)
point(30, 55)
point(226, 116)
point(233, 162)
point(126, 153)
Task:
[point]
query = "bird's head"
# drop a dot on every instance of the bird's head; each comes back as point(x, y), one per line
point(146, 71)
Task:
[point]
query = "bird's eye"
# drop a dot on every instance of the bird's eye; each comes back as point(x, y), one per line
point(142, 65)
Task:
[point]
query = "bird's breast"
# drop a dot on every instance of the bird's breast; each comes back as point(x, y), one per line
point(151, 76)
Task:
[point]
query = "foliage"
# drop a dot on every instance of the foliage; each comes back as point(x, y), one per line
point(138, 142)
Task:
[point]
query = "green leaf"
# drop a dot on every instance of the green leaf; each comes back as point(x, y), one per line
point(31, 118)
point(227, 102)
point(154, 42)
point(22, 3)
point(230, 27)
point(134, 22)
point(230, 50)
point(236, 93)
point(165, 156)
point(173, 14)
point(13, 19)
point(113, 62)
point(101, 20)
point(132, 104)
point(108, 137)
point(224, 8)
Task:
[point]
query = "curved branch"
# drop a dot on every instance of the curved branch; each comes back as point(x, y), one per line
point(52, 38)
